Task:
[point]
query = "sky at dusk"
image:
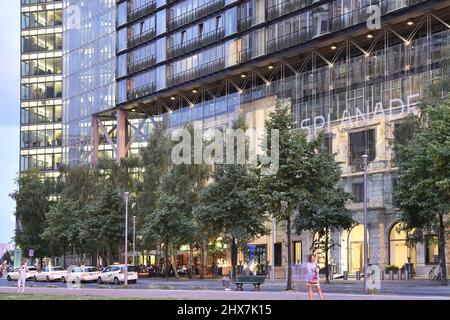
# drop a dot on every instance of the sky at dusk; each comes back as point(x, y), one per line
point(9, 119)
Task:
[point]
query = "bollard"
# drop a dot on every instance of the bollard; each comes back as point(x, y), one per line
point(382, 275)
point(406, 275)
point(391, 274)
point(345, 275)
point(358, 275)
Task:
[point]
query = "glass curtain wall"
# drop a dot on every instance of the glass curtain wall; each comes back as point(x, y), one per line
point(89, 67)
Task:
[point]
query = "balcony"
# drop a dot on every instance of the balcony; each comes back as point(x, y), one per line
point(140, 65)
point(285, 7)
point(141, 91)
point(196, 43)
point(142, 38)
point(195, 14)
point(196, 72)
point(142, 11)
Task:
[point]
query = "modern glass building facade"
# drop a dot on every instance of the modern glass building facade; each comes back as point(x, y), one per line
point(41, 86)
point(209, 60)
point(89, 68)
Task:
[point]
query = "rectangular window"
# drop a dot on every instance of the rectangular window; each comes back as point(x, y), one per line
point(358, 192)
point(431, 250)
point(297, 248)
point(278, 255)
point(361, 143)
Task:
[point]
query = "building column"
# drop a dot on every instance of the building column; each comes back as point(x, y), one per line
point(95, 141)
point(122, 135)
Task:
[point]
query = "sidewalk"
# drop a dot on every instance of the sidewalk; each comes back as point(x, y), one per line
point(417, 287)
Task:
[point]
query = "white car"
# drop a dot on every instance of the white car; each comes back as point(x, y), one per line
point(51, 274)
point(116, 274)
point(82, 274)
point(31, 271)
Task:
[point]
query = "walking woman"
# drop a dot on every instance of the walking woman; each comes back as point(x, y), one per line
point(312, 277)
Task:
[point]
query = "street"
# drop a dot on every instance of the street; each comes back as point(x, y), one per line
point(212, 289)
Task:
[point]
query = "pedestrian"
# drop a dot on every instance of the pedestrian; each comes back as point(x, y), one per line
point(312, 277)
point(22, 278)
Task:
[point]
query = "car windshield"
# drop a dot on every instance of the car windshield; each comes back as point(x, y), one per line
point(92, 269)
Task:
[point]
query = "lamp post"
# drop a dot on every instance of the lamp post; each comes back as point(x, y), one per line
point(366, 261)
point(272, 268)
point(134, 240)
point(126, 195)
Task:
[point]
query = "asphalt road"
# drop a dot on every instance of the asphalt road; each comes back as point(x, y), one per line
point(207, 289)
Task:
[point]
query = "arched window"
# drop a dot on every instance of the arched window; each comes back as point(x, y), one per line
point(356, 249)
point(399, 251)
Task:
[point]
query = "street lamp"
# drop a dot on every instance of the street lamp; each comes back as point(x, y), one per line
point(272, 268)
point(366, 261)
point(134, 240)
point(126, 195)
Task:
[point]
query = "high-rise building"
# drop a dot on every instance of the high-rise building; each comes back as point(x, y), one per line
point(89, 69)
point(351, 68)
point(41, 86)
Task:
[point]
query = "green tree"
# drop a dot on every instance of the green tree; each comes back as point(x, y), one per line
point(290, 188)
point(168, 225)
point(104, 221)
point(325, 212)
point(33, 200)
point(62, 225)
point(423, 188)
point(230, 207)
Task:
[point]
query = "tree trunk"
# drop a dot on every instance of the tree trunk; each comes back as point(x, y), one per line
point(442, 249)
point(64, 257)
point(202, 260)
point(234, 257)
point(166, 261)
point(191, 259)
point(289, 248)
point(327, 271)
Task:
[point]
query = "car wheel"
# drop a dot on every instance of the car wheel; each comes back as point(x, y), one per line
point(116, 281)
point(99, 280)
point(47, 279)
point(8, 278)
point(35, 279)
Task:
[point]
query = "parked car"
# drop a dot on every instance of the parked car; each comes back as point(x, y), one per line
point(51, 274)
point(116, 274)
point(82, 274)
point(31, 271)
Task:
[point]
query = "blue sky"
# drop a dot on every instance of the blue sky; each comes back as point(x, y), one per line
point(9, 105)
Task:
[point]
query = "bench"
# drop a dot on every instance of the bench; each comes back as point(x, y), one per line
point(256, 281)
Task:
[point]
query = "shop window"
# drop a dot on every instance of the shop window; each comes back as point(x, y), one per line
point(399, 250)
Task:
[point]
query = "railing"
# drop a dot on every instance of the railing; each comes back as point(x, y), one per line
point(286, 7)
point(141, 11)
point(141, 91)
point(142, 37)
point(343, 21)
point(196, 43)
point(195, 14)
point(197, 72)
point(142, 64)
point(245, 23)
